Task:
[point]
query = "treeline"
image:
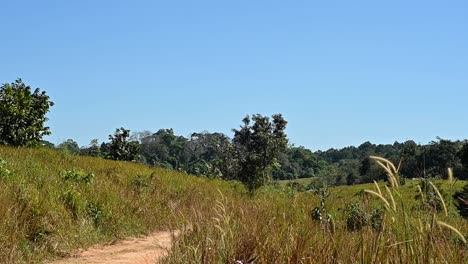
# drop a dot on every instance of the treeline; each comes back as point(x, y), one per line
point(250, 156)
point(205, 154)
point(257, 151)
point(352, 164)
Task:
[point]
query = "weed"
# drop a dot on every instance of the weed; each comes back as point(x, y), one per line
point(77, 176)
point(320, 214)
point(74, 202)
point(95, 212)
point(4, 172)
point(141, 182)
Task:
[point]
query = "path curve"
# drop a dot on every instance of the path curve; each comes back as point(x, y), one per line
point(142, 250)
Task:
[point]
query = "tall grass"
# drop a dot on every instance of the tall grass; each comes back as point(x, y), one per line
point(52, 203)
point(275, 226)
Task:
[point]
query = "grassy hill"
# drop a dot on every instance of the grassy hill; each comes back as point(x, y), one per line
point(52, 203)
point(408, 190)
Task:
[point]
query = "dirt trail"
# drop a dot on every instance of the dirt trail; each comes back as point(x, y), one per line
point(143, 250)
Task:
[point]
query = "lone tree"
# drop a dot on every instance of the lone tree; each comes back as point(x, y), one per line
point(257, 147)
point(122, 149)
point(22, 114)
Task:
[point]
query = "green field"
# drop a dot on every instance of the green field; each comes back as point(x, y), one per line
point(52, 203)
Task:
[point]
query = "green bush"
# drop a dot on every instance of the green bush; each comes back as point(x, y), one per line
point(430, 199)
point(95, 212)
point(77, 176)
point(141, 181)
point(4, 172)
point(357, 217)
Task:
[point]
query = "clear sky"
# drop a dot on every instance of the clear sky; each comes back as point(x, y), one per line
point(341, 72)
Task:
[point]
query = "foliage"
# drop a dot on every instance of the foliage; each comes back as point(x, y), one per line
point(320, 214)
point(429, 197)
point(298, 162)
point(350, 179)
point(73, 201)
point(96, 213)
point(142, 181)
point(92, 150)
point(162, 148)
point(420, 161)
point(46, 144)
point(257, 147)
point(357, 217)
point(22, 114)
point(69, 146)
point(215, 155)
point(77, 176)
point(122, 149)
point(4, 172)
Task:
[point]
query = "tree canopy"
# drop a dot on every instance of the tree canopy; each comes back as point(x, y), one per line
point(257, 151)
point(257, 147)
point(120, 148)
point(23, 114)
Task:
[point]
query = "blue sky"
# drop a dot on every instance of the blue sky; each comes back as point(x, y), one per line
point(341, 72)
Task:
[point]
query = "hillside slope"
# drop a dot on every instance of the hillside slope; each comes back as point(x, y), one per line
point(53, 203)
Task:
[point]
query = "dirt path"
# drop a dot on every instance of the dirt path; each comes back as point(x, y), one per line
point(143, 250)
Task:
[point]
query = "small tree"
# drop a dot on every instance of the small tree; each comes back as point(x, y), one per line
point(257, 147)
point(22, 114)
point(122, 149)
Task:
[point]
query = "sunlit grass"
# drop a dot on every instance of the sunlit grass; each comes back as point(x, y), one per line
point(45, 215)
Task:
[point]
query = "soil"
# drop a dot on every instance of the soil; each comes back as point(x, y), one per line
point(141, 250)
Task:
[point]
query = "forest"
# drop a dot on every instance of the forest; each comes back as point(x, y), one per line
point(258, 152)
point(201, 154)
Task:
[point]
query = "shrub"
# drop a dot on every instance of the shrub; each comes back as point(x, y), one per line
point(356, 217)
point(4, 172)
point(77, 176)
point(95, 212)
point(430, 199)
point(73, 201)
point(141, 181)
point(320, 214)
point(377, 218)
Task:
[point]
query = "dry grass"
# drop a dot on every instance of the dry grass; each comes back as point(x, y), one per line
point(45, 216)
point(275, 227)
